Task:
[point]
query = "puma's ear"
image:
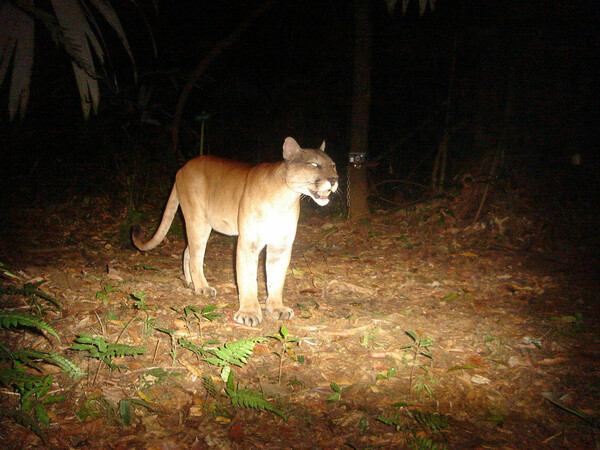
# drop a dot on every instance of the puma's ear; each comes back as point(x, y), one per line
point(290, 148)
point(322, 147)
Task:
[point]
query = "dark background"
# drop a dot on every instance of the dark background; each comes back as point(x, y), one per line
point(290, 73)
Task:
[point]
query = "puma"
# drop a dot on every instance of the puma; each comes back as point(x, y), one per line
point(258, 203)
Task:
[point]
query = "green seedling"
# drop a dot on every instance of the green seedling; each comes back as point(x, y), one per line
point(294, 382)
point(367, 338)
point(305, 310)
point(419, 348)
point(97, 406)
point(145, 267)
point(125, 409)
point(287, 348)
point(171, 334)
point(451, 296)
point(423, 383)
point(194, 314)
point(390, 373)
point(205, 313)
point(140, 301)
point(337, 392)
point(103, 295)
point(140, 305)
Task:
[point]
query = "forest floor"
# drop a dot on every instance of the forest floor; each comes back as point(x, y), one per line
point(413, 329)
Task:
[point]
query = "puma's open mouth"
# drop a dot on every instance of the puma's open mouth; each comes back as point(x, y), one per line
point(320, 197)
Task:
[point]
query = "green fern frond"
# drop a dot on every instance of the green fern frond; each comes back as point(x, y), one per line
point(429, 421)
point(65, 364)
point(210, 386)
point(393, 421)
point(10, 319)
point(87, 340)
point(26, 420)
point(184, 343)
point(20, 379)
point(117, 350)
point(234, 353)
point(31, 290)
point(251, 399)
point(422, 443)
point(98, 348)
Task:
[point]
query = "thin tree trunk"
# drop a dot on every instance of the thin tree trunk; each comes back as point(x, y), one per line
point(358, 189)
point(203, 65)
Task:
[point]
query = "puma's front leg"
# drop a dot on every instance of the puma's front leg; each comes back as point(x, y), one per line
point(246, 268)
point(278, 260)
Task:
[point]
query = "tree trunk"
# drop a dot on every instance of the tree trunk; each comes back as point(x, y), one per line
point(358, 189)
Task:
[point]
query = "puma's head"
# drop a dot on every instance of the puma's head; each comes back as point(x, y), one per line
point(310, 172)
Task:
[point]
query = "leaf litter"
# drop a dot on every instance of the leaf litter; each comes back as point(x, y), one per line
point(405, 333)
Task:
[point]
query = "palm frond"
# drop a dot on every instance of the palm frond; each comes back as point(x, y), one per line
point(111, 17)
point(74, 27)
point(16, 44)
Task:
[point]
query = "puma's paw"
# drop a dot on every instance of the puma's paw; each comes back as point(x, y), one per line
point(208, 290)
point(280, 313)
point(249, 318)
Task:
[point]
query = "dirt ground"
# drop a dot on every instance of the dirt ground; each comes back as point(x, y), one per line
point(413, 329)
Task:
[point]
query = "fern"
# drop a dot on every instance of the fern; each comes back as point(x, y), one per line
point(251, 399)
point(23, 381)
point(99, 348)
point(31, 290)
point(10, 319)
point(26, 420)
point(429, 421)
point(65, 364)
point(234, 353)
point(425, 421)
point(422, 443)
point(210, 386)
point(198, 350)
point(393, 421)
point(248, 398)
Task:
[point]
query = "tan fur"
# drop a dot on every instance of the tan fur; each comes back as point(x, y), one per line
point(261, 204)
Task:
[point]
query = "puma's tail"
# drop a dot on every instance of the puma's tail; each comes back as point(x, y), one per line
point(163, 228)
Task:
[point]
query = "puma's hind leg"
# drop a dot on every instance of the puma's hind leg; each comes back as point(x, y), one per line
point(193, 261)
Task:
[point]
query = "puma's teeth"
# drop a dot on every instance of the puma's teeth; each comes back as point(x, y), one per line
point(320, 197)
point(320, 194)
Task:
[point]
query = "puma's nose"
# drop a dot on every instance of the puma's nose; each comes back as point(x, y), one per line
point(332, 180)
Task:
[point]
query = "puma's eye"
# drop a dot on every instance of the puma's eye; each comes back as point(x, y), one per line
point(314, 164)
